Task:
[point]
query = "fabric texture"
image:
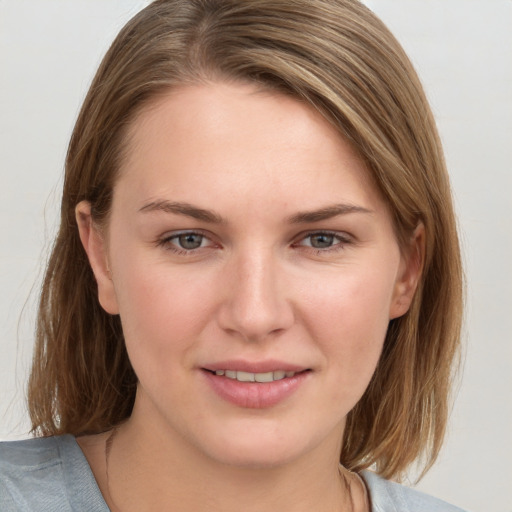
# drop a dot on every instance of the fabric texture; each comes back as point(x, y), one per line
point(52, 474)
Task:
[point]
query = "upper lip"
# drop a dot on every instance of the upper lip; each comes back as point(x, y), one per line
point(254, 366)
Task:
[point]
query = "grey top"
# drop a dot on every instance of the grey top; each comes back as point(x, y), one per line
point(52, 474)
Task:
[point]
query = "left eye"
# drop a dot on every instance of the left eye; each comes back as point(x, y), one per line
point(321, 240)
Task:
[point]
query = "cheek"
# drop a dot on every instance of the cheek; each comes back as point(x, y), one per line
point(353, 303)
point(349, 318)
point(162, 312)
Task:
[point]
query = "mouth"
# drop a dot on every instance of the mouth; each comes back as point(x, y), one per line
point(264, 387)
point(262, 377)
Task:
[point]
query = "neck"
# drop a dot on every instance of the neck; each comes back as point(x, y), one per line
point(153, 469)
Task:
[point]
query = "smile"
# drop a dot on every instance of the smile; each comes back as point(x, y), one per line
point(242, 376)
point(256, 389)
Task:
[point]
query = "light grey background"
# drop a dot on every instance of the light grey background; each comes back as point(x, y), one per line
point(49, 50)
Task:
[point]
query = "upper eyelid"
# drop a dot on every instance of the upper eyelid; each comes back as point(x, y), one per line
point(339, 234)
point(175, 234)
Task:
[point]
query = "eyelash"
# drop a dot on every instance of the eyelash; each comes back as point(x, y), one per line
point(342, 241)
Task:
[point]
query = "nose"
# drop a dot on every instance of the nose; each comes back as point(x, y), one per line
point(255, 305)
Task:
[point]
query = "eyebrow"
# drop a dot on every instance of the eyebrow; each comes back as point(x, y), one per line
point(183, 209)
point(327, 212)
point(179, 208)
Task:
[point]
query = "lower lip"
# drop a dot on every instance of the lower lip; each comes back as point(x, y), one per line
point(255, 395)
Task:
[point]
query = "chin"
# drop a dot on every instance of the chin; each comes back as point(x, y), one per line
point(257, 456)
point(268, 446)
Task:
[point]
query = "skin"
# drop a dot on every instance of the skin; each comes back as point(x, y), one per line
point(266, 282)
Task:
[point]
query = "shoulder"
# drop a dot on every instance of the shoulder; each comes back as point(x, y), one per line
point(387, 496)
point(46, 474)
point(29, 453)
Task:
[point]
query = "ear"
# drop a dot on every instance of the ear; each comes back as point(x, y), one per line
point(411, 268)
point(96, 249)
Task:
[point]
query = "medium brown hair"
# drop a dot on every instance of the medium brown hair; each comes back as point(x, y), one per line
point(336, 56)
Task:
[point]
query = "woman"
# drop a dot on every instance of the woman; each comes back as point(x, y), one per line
point(255, 293)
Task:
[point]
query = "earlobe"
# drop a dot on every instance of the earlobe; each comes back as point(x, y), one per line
point(95, 247)
point(411, 268)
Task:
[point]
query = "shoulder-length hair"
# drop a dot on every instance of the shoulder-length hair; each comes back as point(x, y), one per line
point(337, 56)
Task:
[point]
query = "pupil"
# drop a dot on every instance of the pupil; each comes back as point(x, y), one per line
point(190, 241)
point(321, 241)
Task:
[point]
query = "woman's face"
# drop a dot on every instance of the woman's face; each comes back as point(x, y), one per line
point(255, 269)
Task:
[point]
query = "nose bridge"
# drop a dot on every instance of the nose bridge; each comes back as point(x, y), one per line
point(256, 304)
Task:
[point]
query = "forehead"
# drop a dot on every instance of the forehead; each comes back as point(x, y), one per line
point(236, 138)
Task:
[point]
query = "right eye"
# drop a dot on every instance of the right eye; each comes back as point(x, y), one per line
point(185, 242)
point(189, 241)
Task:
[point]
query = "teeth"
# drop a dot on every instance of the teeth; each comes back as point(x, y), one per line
point(245, 376)
point(254, 377)
point(280, 374)
point(264, 377)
